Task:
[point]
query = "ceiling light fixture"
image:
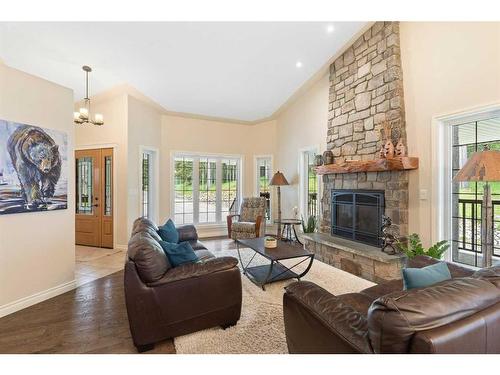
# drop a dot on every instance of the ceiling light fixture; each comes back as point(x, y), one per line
point(330, 29)
point(298, 64)
point(84, 116)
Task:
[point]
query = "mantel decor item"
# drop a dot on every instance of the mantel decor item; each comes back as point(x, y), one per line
point(483, 166)
point(387, 151)
point(400, 149)
point(84, 116)
point(278, 180)
point(33, 168)
point(318, 160)
point(327, 157)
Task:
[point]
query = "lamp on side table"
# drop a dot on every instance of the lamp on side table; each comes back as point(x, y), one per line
point(483, 167)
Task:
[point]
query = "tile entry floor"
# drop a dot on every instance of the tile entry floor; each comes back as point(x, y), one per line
point(92, 263)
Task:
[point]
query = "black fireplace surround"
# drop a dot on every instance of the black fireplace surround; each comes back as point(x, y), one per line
point(357, 215)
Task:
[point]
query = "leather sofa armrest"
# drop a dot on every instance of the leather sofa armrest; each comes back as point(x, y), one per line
point(348, 329)
point(187, 233)
point(187, 271)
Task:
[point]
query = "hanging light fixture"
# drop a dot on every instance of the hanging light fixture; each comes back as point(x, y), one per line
point(84, 116)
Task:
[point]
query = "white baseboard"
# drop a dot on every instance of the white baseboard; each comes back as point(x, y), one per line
point(25, 302)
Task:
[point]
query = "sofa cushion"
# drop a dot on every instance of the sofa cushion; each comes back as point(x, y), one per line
point(425, 276)
point(382, 289)
point(424, 260)
point(204, 255)
point(179, 253)
point(168, 232)
point(197, 245)
point(145, 225)
point(148, 256)
point(394, 319)
point(243, 226)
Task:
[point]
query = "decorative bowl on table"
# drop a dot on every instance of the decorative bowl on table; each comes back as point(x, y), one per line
point(270, 242)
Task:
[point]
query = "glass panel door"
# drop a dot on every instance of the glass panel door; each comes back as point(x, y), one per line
point(84, 185)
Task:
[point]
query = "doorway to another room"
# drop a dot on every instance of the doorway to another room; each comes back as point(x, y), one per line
point(95, 255)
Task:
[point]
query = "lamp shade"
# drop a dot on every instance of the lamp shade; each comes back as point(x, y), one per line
point(481, 166)
point(278, 179)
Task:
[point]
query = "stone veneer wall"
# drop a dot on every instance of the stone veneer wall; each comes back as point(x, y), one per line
point(366, 89)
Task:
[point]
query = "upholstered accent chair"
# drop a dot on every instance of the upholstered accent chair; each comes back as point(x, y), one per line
point(250, 218)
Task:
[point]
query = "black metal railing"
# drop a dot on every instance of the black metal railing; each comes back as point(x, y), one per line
point(312, 204)
point(467, 233)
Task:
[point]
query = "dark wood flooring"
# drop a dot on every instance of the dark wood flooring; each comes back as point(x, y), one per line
point(89, 319)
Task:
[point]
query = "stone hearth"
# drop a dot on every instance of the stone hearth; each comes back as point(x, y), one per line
point(361, 260)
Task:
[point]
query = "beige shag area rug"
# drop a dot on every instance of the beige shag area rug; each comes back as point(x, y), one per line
point(260, 329)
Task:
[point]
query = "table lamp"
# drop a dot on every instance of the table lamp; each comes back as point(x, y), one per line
point(278, 180)
point(483, 166)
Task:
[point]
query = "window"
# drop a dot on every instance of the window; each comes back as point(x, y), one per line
point(466, 197)
point(147, 188)
point(309, 191)
point(206, 188)
point(263, 166)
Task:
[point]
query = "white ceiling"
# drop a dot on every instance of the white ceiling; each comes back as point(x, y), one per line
point(242, 71)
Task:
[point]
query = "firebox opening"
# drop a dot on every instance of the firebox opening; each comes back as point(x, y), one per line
point(357, 215)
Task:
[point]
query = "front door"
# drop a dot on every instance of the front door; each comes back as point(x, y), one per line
point(94, 197)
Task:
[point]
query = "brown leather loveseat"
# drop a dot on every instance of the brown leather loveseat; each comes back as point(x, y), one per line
point(165, 302)
point(461, 315)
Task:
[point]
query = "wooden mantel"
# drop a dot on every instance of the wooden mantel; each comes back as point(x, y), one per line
point(377, 165)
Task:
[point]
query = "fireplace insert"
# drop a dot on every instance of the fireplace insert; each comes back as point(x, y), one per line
point(357, 215)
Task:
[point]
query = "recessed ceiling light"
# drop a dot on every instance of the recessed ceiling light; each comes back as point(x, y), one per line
point(330, 29)
point(298, 64)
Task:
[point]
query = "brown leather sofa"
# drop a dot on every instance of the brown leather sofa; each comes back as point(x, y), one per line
point(461, 315)
point(164, 302)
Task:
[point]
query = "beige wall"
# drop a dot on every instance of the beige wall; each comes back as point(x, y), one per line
point(37, 252)
point(447, 68)
point(205, 136)
point(303, 124)
point(144, 129)
point(114, 133)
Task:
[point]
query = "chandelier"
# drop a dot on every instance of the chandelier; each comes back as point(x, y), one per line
point(83, 116)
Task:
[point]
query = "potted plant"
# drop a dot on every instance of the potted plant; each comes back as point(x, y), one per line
point(310, 226)
point(414, 247)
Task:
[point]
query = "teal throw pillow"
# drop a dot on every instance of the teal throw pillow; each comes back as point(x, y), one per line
point(168, 232)
point(179, 253)
point(426, 276)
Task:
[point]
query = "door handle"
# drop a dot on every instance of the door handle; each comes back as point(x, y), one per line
point(95, 205)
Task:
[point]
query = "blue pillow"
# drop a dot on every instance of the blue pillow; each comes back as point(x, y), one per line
point(179, 253)
point(168, 232)
point(426, 276)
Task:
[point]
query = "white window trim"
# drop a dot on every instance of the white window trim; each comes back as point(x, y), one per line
point(256, 180)
point(154, 204)
point(197, 154)
point(302, 182)
point(441, 199)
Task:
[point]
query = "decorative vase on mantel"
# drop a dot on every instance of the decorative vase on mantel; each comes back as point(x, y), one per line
point(328, 157)
point(318, 160)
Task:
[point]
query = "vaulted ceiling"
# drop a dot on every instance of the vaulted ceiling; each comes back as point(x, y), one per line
point(242, 71)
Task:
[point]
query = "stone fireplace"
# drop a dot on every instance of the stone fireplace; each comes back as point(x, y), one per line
point(366, 90)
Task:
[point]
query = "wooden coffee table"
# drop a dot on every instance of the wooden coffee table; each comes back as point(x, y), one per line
point(275, 271)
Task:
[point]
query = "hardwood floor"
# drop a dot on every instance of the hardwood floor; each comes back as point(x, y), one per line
point(90, 319)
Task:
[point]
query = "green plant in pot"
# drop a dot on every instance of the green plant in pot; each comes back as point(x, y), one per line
point(413, 247)
point(310, 226)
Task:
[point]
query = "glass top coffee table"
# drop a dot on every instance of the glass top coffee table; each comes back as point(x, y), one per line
point(275, 271)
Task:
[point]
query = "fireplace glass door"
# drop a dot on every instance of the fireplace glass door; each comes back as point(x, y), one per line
point(357, 215)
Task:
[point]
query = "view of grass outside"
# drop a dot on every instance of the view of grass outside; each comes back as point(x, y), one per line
point(467, 196)
point(206, 186)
